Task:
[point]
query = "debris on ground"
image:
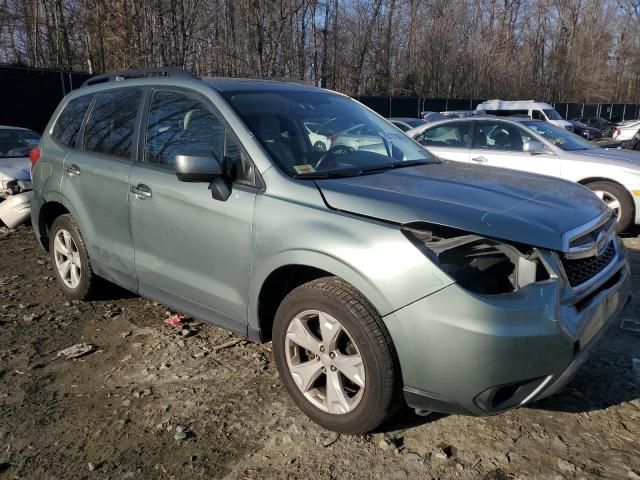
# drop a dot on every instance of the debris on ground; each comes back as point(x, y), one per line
point(76, 351)
point(183, 432)
point(229, 344)
point(630, 324)
point(149, 403)
point(175, 320)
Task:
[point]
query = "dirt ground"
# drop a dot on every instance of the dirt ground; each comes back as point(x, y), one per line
point(156, 401)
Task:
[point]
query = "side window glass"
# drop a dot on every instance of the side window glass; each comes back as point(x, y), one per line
point(451, 135)
point(537, 115)
point(180, 124)
point(111, 125)
point(239, 167)
point(499, 136)
point(67, 127)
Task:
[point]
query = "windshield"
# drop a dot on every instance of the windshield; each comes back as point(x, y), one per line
point(560, 137)
point(552, 114)
point(17, 143)
point(321, 134)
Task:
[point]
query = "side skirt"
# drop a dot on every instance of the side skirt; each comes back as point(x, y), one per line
point(178, 303)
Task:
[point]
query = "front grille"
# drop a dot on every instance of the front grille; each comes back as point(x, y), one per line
point(584, 269)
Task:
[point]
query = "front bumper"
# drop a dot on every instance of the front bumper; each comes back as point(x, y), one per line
point(472, 354)
point(16, 209)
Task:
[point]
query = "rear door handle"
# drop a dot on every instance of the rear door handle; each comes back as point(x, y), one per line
point(73, 170)
point(480, 159)
point(141, 191)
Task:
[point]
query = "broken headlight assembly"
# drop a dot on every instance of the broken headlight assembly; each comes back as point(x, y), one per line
point(479, 264)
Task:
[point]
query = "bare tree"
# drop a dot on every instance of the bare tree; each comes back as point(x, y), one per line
point(582, 50)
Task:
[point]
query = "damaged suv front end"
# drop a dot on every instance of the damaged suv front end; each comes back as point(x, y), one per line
point(536, 274)
point(523, 318)
point(15, 175)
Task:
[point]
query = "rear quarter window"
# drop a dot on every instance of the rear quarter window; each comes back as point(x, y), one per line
point(67, 127)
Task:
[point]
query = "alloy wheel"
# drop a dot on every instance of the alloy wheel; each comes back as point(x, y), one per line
point(610, 201)
point(324, 362)
point(67, 258)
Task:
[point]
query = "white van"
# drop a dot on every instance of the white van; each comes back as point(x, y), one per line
point(530, 108)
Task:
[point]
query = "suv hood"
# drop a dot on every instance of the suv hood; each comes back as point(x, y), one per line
point(506, 204)
point(15, 169)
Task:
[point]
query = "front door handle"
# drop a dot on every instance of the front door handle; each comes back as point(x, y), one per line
point(480, 159)
point(141, 191)
point(73, 170)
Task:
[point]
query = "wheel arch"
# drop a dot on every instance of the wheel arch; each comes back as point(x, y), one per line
point(47, 215)
point(588, 180)
point(275, 282)
point(629, 197)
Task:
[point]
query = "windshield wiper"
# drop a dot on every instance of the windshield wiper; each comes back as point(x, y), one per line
point(391, 166)
point(324, 175)
point(353, 172)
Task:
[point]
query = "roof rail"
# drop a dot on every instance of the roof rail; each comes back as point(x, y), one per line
point(138, 73)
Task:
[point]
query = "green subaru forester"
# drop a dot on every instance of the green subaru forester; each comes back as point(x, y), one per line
point(296, 215)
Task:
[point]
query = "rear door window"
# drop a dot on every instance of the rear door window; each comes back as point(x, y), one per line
point(67, 126)
point(111, 125)
point(500, 136)
point(450, 135)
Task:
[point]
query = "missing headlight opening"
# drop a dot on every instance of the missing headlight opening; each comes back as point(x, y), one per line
point(479, 264)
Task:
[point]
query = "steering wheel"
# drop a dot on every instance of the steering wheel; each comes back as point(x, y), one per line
point(338, 150)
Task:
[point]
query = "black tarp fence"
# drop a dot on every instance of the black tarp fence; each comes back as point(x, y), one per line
point(412, 106)
point(28, 97)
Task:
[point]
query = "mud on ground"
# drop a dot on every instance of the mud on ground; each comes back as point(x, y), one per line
point(155, 401)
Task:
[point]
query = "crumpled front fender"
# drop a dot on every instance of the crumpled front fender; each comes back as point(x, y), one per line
point(16, 209)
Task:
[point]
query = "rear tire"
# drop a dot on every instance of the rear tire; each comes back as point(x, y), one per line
point(312, 314)
point(70, 259)
point(618, 199)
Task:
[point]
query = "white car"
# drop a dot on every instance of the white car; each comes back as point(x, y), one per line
point(530, 108)
point(626, 131)
point(539, 147)
point(15, 174)
point(349, 137)
point(320, 143)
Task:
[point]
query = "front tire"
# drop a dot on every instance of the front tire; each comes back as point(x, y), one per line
point(335, 357)
point(616, 198)
point(70, 259)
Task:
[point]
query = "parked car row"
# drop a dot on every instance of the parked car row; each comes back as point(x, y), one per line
point(293, 214)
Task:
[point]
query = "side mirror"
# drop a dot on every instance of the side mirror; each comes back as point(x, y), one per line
point(195, 168)
point(534, 147)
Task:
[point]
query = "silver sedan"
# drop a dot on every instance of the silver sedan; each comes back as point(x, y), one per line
point(539, 147)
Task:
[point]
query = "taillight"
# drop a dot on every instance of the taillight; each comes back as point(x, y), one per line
point(617, 133)
point(34, 156)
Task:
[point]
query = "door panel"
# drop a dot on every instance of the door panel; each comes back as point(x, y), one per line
point(98, 189)
point(192, 246)
point(95, 181)
point(501, 144)
point(191, 249)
